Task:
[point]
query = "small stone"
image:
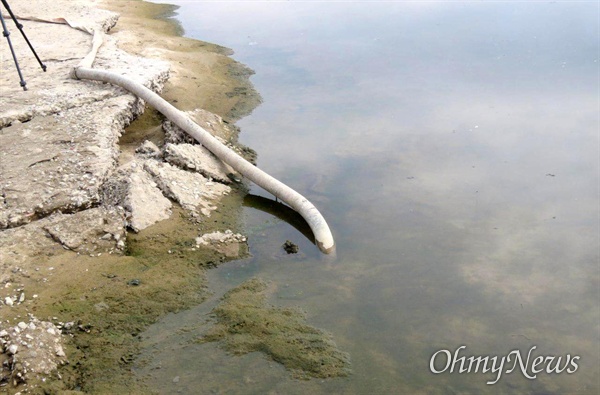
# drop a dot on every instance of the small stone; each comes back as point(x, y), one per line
point(8, 301)
point(134, 282)
point(234, 178)
point(148, 148)
point(290, 247)
point(60, 352)
point(12, 349)
point(22, 325)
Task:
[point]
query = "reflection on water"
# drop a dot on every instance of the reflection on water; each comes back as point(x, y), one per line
point(281, 211)
point(453, 149)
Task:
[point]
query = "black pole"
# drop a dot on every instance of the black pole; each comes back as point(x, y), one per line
point(20, 27)
point(6, 34)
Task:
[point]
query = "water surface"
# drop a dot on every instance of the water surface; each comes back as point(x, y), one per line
point(453, 149)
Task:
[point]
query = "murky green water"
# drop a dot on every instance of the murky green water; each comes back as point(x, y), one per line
point(453, 149)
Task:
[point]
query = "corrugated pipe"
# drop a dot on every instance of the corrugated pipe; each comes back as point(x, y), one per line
point(323, 236)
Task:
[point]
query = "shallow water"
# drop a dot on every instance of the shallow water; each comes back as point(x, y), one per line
point(453, 149)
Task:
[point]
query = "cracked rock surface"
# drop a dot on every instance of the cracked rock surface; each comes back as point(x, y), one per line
point(198, 158)
point(61, 134)
point(134, 189)
point(192, 191)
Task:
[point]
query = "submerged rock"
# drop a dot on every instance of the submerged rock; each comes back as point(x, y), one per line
point(232, 245)
point(290, 247)
point(246, 323)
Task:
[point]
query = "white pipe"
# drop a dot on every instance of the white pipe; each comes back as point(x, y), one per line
point(309, 212)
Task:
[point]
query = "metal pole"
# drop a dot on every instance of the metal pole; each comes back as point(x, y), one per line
point(6, 34)
point(20, 27)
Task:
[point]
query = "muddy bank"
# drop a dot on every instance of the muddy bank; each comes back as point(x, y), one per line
point(76, 185)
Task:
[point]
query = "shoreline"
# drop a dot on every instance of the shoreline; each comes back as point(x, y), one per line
point(214, 81)
point(115, 296)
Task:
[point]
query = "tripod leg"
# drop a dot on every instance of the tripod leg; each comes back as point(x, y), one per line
point(20, 27)
point(6, 34)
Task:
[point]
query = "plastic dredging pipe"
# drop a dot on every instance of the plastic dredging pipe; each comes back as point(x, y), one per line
point(323, 236)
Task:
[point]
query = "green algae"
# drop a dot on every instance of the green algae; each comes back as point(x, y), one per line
point(247, 323)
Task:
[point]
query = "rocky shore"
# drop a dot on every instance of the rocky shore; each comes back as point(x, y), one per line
point(105, 225)
point(110, 215)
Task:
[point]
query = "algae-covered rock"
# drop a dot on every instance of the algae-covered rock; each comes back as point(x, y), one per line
point(246, 323)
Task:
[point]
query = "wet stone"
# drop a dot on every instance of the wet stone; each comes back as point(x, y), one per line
point(229, 244)
point(290, 247)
